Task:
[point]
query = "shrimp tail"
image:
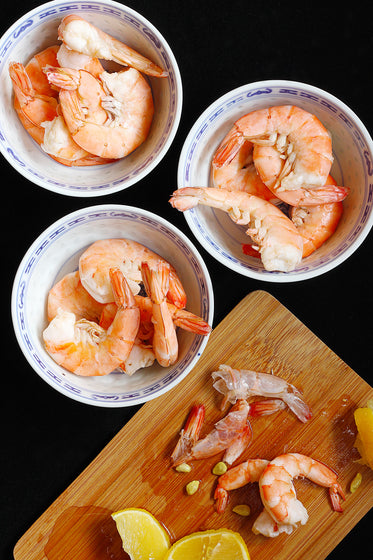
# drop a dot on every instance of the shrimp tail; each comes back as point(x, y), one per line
point(238, 445)
point(221, 498)
point(301, 409)
point(336, 493)
point(188, 435)
point(266, 407)
point(228, 150)
point(190, 322)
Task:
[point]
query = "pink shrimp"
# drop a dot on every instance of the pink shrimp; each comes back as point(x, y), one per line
point(278, 493)
point(292, 153)
point(181, 317)
point(39, 114)
point(240, 173)
point(109, 116)
point(126, 254)
point(83, 37)
point(314, 223)
point(277, 239)
point(236, 477)
point(68, 294)
point(86, 349)
point(165, 343)
point(242, 384)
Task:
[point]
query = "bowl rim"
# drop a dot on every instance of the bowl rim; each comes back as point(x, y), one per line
point(110, 403)
point(276, 277)
point(116, 185)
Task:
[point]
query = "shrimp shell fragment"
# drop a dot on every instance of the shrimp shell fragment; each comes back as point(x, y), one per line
point(241, 384)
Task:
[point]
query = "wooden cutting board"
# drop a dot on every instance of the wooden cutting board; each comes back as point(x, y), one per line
point(133, 470)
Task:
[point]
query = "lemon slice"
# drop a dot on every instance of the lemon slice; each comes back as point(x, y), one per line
point(143, 537)
point(220, 544)
point(364, 440)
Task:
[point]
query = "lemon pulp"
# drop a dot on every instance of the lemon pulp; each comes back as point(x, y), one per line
point(143, 537)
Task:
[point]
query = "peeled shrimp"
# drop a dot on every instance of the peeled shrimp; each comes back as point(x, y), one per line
point(34, 70)
point(279, 243)
point(69, 295)
point(292, 152)
point(278, 493)
point(86, 349)
point(242, 384)
point(240, 173)
point(67, 58)
point(165, 343)
point(316, 223)
point(236, 477)
point(83, 37)
point(127, 255)
point(109, 116)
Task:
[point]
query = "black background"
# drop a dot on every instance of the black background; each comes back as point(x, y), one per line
point(48, 439)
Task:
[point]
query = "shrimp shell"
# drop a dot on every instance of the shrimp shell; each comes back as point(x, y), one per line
point(242, 384)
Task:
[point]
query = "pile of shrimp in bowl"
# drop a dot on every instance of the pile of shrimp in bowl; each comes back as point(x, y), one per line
point(92, 97)
point(112, 305)
point(293, 177)
point(79, 113)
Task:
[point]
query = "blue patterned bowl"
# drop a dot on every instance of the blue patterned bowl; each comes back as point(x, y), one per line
point(38, 29)
point(352, 167)
point(56, 252)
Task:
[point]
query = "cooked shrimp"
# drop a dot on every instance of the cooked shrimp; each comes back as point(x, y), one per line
point(292, 151)
point(267, 526)
point(67, 58)
point(307, 195)
point(316, 223)
point(240, 173)
point(39, 114)
point(165, 344)
point(34, 70)
point(83, 347)
point(126, 254)
point(36, 107)
point(181, 317)
point(237, 384)
point(236, 477)
point(189, 434)
point(141, 356)
point(108, 116)
point(279, 243)
point(68, 294)
point(277, 489)
point(83, 37)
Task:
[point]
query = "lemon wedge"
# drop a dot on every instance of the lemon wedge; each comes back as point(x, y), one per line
point(220, 544)
point(143, 537)
point(364, 441)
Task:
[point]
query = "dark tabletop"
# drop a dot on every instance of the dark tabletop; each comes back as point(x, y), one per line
point(48, 439)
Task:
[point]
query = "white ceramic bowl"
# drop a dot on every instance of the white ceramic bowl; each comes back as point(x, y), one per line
point(56, 252)
point(35, 31)
point(352, 167)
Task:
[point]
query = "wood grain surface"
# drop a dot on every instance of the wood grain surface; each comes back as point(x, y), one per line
point(133, 470)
